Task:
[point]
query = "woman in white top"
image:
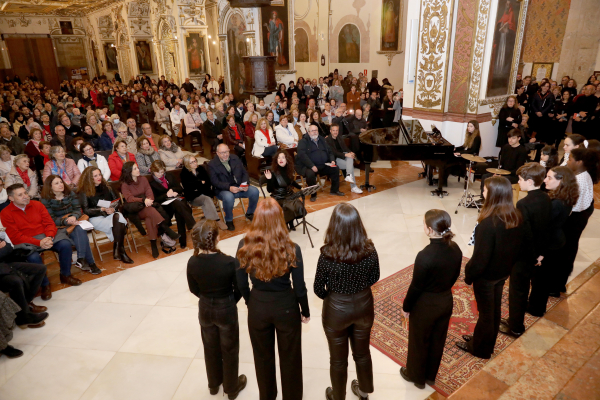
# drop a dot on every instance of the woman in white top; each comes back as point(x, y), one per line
point(264, 141)
point(21, 173)
point(91, 159)
point(250, 112)
point(585, 164)
point(285, 133)
point(6, 160)
point(177, 115)
point(170, 153)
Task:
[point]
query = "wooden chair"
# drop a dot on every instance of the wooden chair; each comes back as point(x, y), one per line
point(253, 163)
point(219, 204)
point(209, 154)
point(104, 240)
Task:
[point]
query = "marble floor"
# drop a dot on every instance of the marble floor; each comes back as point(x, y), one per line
point(134, 334)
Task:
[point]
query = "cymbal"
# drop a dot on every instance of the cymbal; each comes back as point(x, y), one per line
point(473, 158)
point(498, 171)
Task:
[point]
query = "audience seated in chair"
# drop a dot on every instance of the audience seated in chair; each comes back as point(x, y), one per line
point(170, 153)
point(146, 155)
point(119, 156)
point(212, 130)
point(91, 159)
point(344, 158)
point(21, 173)
point(264, 141)
point(287, 136)
point(233, 135)
point(62, 166)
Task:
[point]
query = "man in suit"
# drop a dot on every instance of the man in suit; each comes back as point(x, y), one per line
point(231, 181)
point(212, 130)
point(314, 156)
point(536, 209)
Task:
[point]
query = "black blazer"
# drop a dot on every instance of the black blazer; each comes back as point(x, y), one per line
point(306, 149)
point(437, 268)
point(222, 179)
point(160, 193)
point(210, 130)
point(337, 146)
point(506, 112)
point(192, 184)
point(496, 250)
point(536, 208)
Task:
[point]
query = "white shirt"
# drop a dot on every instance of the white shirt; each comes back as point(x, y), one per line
point(586, 192)
point(213, 85)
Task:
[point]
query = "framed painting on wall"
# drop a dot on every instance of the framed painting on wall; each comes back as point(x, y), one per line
point(110, 53)
point(194, 49)
point(541, 70)
point(390, 25)
point(275, 34)
point(143, 56)
point(349, 44)
point(503, 45)
point(66, 27)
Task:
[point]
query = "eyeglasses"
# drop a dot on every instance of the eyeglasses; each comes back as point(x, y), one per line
point(223, 152)
point(193, 162)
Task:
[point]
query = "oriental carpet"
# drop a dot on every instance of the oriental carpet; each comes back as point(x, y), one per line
point(390, 330)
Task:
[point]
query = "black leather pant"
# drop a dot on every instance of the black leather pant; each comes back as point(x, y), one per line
point(221, 339)
point(349, 316)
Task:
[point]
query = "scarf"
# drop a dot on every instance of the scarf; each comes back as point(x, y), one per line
point(237, 135)
point(148, 152)
point(266, 133)
point(46, 157)
point(25, 176)
point(173, 148)
point(91, 161)
point(163, 181)
point(111, 135)
point(60, 171)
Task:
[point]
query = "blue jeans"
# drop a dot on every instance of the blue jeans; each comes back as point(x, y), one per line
point(64, 250)
point(82, 244)
point(228, 200)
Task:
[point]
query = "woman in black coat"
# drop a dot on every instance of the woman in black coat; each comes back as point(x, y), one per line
point(497, 238)
point(541, 105)
point(509, 118)
point(563, 190)
point(280, 183)
point(562, 111)
point(428, 302)
point(165, 187)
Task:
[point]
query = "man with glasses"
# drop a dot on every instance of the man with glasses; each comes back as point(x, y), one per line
point(231, 181)
point(153, 138)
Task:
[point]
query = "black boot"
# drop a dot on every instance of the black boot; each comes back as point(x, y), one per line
point(166, 229)
point(154, 248)
point(119, 230)
point(11, 352)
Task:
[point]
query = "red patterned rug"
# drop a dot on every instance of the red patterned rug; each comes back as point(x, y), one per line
point(390, 331)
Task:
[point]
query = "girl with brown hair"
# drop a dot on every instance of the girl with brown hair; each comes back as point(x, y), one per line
point(211, 277)
point(497, 238)
point(509, 118)
point(346, 270)
point(273, 262)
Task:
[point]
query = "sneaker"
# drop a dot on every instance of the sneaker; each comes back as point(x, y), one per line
point(350, 178)
point(82, 264)
point(230, 226)
point(94, 270)
point(356, 190)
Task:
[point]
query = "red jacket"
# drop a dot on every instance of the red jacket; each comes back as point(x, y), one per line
point(115, 164)
point(21, 226)
point(249, 129)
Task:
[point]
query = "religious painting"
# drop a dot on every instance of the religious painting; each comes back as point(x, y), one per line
point(541, 70)
point(236, 49)
point(66, 27)
point(349, 44)
point(143, 56)
point(503, 46)
point(275, 34)
point(110, 53)
point(390, 25)
point(194, 48)
point(301, 45)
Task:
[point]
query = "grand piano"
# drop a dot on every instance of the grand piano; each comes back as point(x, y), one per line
point(408, 141)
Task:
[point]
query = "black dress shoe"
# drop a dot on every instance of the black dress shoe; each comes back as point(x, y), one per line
point(467, 338)
point(463, 346)
point(505, 329)
point(554, 294)
point(329, 394)
point(313, 198)
point(241, 385)
point(337, 194)
point(230, 226)
point(430, 382)
point(31, 319)
point(214, 391)
point(11, 352)
point(403, 374)
point(354, 387)
point(249, 216)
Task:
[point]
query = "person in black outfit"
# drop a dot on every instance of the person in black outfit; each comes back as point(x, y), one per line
point(344, 122)
point(347, 268)
point(521, 97)
point(312, 155)
point(563, 109)
point(541, 105)
point(497, 237)
point(509, 118)
point(280, 183)
point(212, 130)
point(512, 156)
point(165, 186)
point(563, 192)
point(274, 306)
point(388, 106)
point(584, 107)
point(472, 144)
point(211, 277)
point(536, 209)
point(428, 302)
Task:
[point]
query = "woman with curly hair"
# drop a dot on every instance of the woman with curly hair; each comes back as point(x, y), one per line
point(211, 277)
point(273, 262)
point(281, 180)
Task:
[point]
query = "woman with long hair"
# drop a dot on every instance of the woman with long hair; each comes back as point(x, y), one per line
point(573, 141)
point(549, 157)
point(280, 183)
point(585, 165)
point(388, 106)
point(509, 118)
point(92, 189)
point(347, 268)
point(264, 141)
point(315, 119)
point(497, 238)
point(64, 209)
point(140, 201)
point(471, 145)
point(428, 302)
point(564, 192)
point(211, 277)
point(541, 105)
point(270, 259)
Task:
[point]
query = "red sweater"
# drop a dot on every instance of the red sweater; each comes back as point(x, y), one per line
point(21, 226)
point(115, 164)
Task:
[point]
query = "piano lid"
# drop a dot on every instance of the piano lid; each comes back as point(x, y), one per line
point(412, 133)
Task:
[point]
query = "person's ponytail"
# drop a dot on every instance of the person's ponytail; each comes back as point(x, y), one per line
point(440, 221)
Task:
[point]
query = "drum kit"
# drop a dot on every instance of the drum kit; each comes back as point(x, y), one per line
point(468, 200)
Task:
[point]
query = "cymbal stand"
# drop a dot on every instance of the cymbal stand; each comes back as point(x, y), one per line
point(468, 199)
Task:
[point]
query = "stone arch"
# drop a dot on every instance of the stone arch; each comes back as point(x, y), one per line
point(313, 45)
point(365, 39)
